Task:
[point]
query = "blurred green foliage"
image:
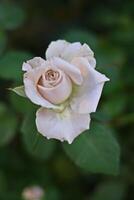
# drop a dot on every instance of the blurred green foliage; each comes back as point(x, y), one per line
point(8, 125)
point(11, 16)
point(100, 152)
point(26, 158)
point(3, 41)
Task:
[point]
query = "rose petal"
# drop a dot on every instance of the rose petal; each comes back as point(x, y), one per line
point(30, 83)
point(33, 63)
point(55, 49)
point(91, 61)
point(69, 69)
point(86, 52)
point(71, 51)
point(77, 50)
point(26, 67)
point(68, 51)
point(59, 93)
point(62, 126)
point(86, 98)
point(36, 62)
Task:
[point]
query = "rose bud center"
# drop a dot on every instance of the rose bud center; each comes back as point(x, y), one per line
point(54, 86)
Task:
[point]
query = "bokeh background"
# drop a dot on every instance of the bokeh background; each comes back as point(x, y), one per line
point(26, 29)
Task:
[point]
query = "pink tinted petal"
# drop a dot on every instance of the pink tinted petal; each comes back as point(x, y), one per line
point(57, 94)
point(36, 62)
point(77, 50)
point(26, 67)
point(30, 84)
point(61, 126)
point(86, 98)
point(69, 69)
point(56, 48)
point(86, 52)
point(68, 51)
point(33, 63)
point(71, 51)
point(88, 102)
point(91, 61)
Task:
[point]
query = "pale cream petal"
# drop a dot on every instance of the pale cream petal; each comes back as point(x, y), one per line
point(33, 63)
point(71, 51)
point(77, 50)
point(59, 93)
point(85, 99)
point(61, 126)
point(56, 48)
point(30, 85)
point(36, 62)
point(26, 67)
point(86, 52)
point(88, 102)
point(92, 61)
point(69, 69)
point(68, 51)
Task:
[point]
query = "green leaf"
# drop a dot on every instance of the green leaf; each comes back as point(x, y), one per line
point(11, 64)
point(100, 116)
point(3, 41)
point(109, 190)
point(95, 150)
point(19, 90)
point(20, 104)
point(114, 106)
point(8, 124)
point(11, 16)
point(37, 145)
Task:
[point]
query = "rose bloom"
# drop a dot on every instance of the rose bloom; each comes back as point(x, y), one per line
point(66, 86)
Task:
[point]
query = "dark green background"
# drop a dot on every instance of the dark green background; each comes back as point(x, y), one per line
point(26, 29)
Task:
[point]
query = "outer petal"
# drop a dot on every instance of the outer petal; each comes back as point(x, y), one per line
point(69, 69)
point(30, 84)
point(26, 67)
point(77, 50)
point(68, 51)
point(33, 63)
point(71, 51)
point(86, 52)
point(86, 98)
point(62, 126)
point(55, 49)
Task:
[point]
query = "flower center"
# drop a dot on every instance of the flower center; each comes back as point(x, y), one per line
point(50, 78)
point(51, 75)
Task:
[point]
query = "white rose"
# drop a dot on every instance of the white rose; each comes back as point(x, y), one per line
point(66, 86)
